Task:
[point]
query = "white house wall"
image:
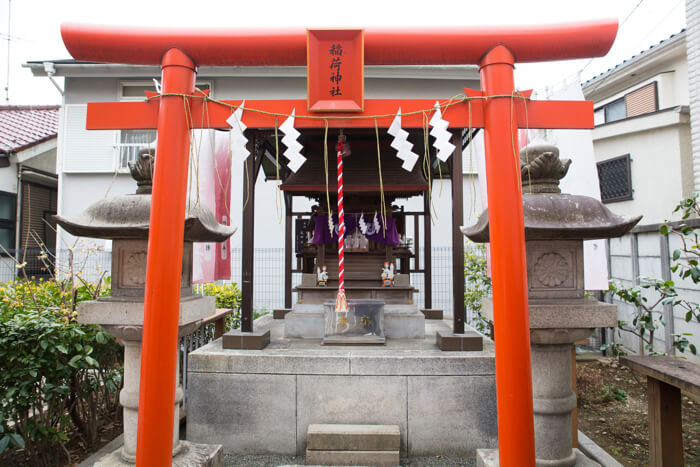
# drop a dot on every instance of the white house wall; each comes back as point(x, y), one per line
point(45, 161)
point(8, 178)
point(660, 164)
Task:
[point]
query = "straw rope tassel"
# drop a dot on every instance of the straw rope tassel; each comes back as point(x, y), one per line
point(341, 304)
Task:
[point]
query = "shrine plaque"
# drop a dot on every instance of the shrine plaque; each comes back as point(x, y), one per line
point(335, 60)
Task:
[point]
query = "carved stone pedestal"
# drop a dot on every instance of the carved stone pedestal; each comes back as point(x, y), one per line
point(123, 319)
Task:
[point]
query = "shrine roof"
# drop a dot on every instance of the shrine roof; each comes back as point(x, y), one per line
point(360, 170)
point(23, 126)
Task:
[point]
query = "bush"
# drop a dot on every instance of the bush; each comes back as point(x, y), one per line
point(227, 296)
point(56, 375)
point(478, 283)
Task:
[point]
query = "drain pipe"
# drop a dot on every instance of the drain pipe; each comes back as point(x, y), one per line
point(18, 212)
point(50, 70)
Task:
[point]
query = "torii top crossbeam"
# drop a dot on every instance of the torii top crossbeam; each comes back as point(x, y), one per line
point(495, 49)
point(383, 46)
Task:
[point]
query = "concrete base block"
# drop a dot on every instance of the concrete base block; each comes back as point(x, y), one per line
point(190, 455)
point(403, 322)
point(335, 437)
point(432, 314)
point(237, 339)
point(304, 324)
point(263, 402)
point(489, 458)
point(400, 322)
point(338, 458)
point(469, 341)
point(280, 313)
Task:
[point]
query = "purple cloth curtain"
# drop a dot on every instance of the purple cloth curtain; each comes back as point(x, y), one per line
point(323, 235)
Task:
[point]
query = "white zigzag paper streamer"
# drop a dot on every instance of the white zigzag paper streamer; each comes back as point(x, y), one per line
point(401, 144)
point(362, 224)
point(293, 151)
point(441, 135)
point(239, 151)
point(377, 227)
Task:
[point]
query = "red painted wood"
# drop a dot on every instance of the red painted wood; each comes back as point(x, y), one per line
point(516, 434)
point(539, 114)
point(383, 46)
point(163, 268)
point(335, 70)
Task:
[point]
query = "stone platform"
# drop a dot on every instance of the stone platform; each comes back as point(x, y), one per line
point(401, 321)
point(263, 401)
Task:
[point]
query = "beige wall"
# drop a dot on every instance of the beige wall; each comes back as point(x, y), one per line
point(659, 147)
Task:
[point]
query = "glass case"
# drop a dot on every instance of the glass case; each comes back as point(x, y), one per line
point(362, 324)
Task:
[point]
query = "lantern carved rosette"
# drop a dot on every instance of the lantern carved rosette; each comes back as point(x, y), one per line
point(556, 224)
point(125, 219)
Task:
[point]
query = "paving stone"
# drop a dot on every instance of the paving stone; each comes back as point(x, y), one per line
point(332, 437)
point(338, 458)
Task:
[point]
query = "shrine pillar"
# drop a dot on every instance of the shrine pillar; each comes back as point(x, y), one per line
point(164, 263)
point(509, 274)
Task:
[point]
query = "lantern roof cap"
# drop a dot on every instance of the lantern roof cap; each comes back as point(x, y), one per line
point(128, 216)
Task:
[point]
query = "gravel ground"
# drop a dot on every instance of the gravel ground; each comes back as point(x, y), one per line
point(233, 460)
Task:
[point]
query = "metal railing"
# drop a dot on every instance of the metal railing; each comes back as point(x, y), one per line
point(209, 330)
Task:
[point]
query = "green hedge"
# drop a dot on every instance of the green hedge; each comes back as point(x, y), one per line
point(56, 376)
point(227, 296)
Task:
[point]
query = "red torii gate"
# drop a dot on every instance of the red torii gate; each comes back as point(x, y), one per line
point(496, 109)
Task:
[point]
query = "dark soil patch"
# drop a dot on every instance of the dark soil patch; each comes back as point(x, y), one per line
point(76, 447)
point(612, 411)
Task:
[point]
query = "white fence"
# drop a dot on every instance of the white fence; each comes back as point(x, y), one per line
point(647, 253)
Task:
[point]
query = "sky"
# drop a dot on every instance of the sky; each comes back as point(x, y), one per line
point(34, 27)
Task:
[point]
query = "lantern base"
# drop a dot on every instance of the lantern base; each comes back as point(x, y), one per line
point(489, 458)
point(190, 455)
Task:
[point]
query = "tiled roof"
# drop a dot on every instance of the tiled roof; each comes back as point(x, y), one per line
point(23, 126)
point(634, 58)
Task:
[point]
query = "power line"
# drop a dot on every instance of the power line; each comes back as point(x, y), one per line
point(618, 31)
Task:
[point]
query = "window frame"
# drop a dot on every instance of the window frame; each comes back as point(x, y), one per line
point(609, 105)
point(630, 190)
point(118, 145)
point(11, 222)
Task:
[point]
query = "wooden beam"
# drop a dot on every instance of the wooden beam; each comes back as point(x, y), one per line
point(458, 312)
point(530, 114)
point(665, 431)
point(248, 228)
point(427, 254)
point(288, 251)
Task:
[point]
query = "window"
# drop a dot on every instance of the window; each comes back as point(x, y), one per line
point(615, 111)
point(638, 102)
point(615, 179)
point(8, 204)
point(131, 141)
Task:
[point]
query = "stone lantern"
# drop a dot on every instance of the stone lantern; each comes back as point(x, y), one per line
point(556, 224)
point(125, 220)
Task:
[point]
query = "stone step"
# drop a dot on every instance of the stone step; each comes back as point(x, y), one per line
point(333, 437)
point(345, 458)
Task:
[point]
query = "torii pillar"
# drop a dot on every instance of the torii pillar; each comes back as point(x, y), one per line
point(498, 111)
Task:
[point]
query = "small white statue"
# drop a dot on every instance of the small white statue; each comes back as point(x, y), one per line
point(388, 272)
point(321, 276)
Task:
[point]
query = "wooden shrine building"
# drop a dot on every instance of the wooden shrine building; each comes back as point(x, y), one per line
point(309, 245)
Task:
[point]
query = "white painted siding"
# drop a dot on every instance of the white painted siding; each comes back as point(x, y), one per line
point(85, 151)
point(692, 18)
